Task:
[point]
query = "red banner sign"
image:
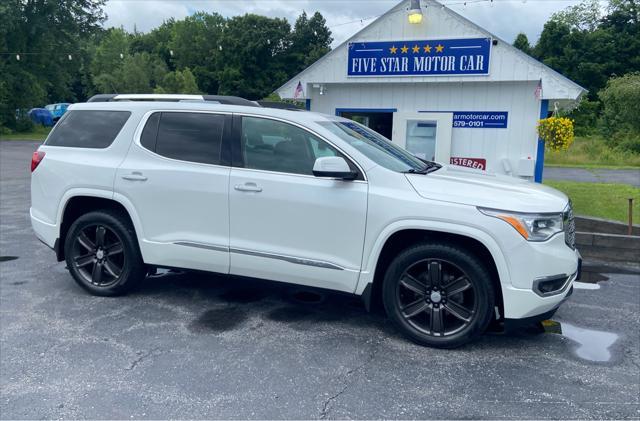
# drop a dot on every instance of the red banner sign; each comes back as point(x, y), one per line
point(477, 163)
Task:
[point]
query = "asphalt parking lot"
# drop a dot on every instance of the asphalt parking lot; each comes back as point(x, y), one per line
point(194, 346)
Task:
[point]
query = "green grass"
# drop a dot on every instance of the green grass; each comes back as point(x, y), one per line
point(592, 152)
point(38, 133)
point(602, 200)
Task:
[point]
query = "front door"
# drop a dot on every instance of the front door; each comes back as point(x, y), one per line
point(286, 224)
point(426, 135)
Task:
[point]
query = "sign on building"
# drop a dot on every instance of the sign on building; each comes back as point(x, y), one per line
point(480, 119)
point(463, 56)
point(477, 163)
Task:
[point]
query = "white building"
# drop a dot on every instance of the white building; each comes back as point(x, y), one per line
point(443, 88)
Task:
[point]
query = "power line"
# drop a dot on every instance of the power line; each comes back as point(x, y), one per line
point(443, 3)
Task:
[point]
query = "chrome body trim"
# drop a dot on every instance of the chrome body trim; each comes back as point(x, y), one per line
point(290, 259)
point(565, 285)
point(202, 246)
point(133, 97)
point(283, 257)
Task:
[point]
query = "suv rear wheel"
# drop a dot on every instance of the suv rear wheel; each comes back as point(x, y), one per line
point(438, 295)
point(102, 253)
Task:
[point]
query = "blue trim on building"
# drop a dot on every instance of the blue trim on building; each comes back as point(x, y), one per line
point(544, 110)
point(307, 104)
point(365, 110)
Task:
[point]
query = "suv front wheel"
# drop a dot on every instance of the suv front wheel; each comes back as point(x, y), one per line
point(102, 253)
point(438, 295)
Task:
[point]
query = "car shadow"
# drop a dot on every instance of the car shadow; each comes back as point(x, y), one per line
point(225, 303)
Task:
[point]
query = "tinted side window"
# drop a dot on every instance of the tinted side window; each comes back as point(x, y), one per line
point(194, 137)
point(88, 129)
point(276, 146)
point(150, 132)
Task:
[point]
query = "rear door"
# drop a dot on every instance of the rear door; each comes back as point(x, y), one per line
point(176, 176)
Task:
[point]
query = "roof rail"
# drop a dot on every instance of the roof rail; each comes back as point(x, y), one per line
point(281, 105)
point(218, 99)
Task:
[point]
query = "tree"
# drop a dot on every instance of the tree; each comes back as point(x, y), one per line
point(583, 16)
point(195, 42)
point(311, 39)
point(155, 42)
point(588, 48)
point(621, 120)
point(252, 62)
point(623, 23)
point(109, 53)
point(246, 55)
point(139, 73)
point(178, 82)
point(522, 43)
point(46, 32)
point(621, 98)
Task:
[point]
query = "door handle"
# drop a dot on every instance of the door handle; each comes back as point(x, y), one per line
point(135, 176)
point(252, 187)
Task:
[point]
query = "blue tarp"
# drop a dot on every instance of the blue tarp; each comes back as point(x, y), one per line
point(41, 116)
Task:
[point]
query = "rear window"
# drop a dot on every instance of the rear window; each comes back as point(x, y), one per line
point(193, 137)
point(88, 129)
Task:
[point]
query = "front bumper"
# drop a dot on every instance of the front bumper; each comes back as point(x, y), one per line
point(530, 303)
point(515, 324)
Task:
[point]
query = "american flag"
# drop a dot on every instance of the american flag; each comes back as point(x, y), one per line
point(538, 91)
point(299, 91)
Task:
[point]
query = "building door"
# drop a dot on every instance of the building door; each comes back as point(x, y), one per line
point(379, 120)
point(426, 135)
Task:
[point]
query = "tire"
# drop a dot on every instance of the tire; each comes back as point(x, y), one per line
point(102, 253)
point(447, 287)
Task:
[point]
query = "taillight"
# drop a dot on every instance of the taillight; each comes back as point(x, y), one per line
point(36, 159)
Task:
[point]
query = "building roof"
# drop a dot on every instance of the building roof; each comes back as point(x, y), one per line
point(508, 64)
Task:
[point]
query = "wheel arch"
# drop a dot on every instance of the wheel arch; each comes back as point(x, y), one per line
point(397, 238)
point(80, 203)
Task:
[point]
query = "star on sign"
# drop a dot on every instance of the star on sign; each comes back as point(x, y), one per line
point(404, 49)
point(439, 48)
point(415, 49)
point(393, 49)
point(427, 48)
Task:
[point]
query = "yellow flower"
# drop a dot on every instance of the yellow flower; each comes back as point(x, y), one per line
point(556, 132)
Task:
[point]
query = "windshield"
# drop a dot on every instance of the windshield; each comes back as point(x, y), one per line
point(376, 147)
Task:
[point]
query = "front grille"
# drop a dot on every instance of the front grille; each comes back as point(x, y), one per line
point(569, 224)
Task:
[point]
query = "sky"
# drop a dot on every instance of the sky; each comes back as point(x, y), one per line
point(504, 18)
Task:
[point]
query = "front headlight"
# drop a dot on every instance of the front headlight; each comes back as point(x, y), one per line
point(532, 226)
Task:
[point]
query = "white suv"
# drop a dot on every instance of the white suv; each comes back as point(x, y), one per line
point(121, 188)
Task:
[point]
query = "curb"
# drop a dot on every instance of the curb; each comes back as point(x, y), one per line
point(590, 224)
point(609, 247)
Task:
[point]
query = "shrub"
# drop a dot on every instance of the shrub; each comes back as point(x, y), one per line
point(627, 142)
point(585, 117)
point(621, 102)
point(24, 124)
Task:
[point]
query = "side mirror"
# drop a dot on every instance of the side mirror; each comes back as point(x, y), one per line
point(333, 167)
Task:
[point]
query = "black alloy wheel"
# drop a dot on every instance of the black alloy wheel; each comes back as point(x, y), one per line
point(98, 255)
point(438, 295)
point(102, 253)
